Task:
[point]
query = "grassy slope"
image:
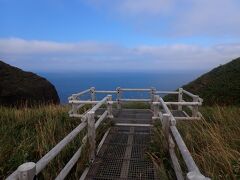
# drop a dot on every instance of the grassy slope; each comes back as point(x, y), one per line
point(213, 142)
point(219, 86)
point(28, 134)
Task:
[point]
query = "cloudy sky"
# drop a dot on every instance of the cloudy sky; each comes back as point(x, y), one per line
point(109, 35)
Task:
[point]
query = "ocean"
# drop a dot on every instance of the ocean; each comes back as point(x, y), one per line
point(68, 83)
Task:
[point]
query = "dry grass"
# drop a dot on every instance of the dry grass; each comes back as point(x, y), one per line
point(214, 142)
point(27, 134)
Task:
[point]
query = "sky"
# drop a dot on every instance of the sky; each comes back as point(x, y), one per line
point(119, 35)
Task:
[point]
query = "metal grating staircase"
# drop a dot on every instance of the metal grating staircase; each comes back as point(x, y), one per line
point(123, 153)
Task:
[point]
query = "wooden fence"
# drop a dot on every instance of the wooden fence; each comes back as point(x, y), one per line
point(161, 111)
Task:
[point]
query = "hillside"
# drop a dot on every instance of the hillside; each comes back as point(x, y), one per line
point(219, 86)
point(18, 87)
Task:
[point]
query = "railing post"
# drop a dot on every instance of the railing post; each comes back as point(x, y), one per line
point(166, 127)
point(152, 94)
point(91, 135)
point(109, 106)
point(119, 96)
point(74, 108)
point(27, 171)
point(180, 98)
point(155, 104)
point(93, 94)
point(195, 108)
point(195, 175)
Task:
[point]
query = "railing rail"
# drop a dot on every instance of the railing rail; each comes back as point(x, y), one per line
point(172, 135)
point(160, 111)
point(29, 170)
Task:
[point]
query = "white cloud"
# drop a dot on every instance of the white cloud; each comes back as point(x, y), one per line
point(143, 6)
point(45, 55)
point(216, 18)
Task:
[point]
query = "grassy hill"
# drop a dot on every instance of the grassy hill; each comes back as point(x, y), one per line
point(219, 86)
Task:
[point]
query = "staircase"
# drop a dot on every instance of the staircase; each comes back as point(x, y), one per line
point(123, 153)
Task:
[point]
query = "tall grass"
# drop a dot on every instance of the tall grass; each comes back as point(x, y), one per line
point(27, 134)
point(214, 142)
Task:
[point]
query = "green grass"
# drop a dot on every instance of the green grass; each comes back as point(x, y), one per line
point(27, 134)
point(214, 143)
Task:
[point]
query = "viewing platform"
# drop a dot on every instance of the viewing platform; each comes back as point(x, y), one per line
point(122, 151)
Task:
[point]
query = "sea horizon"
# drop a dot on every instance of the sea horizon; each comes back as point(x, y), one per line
point(67, 83)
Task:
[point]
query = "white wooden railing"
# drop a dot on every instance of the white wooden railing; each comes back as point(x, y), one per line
point(161, 111)
point(29, 170)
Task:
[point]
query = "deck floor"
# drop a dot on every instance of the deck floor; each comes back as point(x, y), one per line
point(123, 153)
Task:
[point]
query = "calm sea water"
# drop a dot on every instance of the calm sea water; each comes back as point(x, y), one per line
point(69, 83)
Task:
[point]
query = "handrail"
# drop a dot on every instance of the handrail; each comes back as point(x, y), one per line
point(189, 94)
point(99, 104)
point(81, 93)
point(135, 100)
point(88, 120)
point(135, 89)
point(43, 162)
point(184, 103)
point(193, 170)
point(106, 92)
point(191, 165)
point(166, 92)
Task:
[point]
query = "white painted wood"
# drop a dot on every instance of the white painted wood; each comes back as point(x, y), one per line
point(166, 92)
point(184, 103)
point(196, 176)
point(167, 120)
point(167, 111)
point(195, 108)
point(64, 172)
point(133, 124)
point(102, 141)
point(13, 176)
point(93, 94)
point(176, 165)
point(180, 98)
point(155, 107)
point(135, 100)
point(188, 118)
point(166, 125)
point(191, 165)
point(152, 97)
point(189, 94)
point(91, 135)
point(99, 104)
point(84, 174)
point(135, 89)
point(42, 163)
point(102, 117)
point(106, 92)
point(81, 93)
point(119, 96)
point(27, 171)
point(83, 102)
point(109, 106)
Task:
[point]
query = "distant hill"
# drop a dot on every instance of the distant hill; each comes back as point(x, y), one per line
point(219, 86)
point(18, 87)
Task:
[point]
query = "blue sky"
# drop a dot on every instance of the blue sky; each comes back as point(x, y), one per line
point(78, 35)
